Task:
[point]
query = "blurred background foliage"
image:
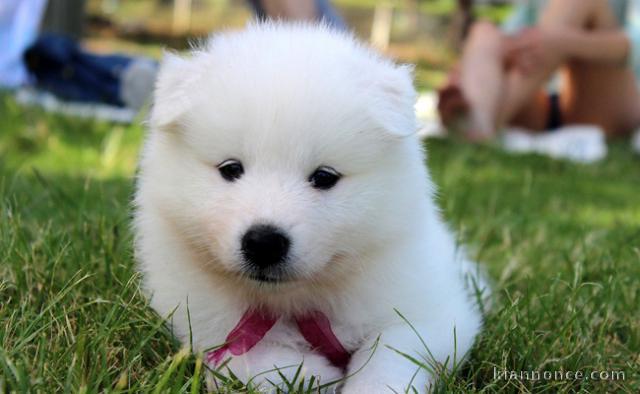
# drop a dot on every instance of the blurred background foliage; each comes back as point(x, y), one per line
point(423, 32)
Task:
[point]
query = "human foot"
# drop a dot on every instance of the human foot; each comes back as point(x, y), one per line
point(457, 115)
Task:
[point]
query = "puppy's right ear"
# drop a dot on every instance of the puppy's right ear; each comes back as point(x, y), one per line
point(170, 100)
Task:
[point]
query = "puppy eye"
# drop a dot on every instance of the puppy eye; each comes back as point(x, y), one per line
point(324, 178)
point(231, 169)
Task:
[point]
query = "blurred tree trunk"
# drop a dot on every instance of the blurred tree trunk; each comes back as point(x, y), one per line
point(64, 17)
point(413, 11)
point(460, 23)
point(381, 26)
point(181, 16)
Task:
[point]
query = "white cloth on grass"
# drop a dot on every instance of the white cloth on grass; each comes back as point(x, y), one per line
point(635, 142)
point(50, 103)
point(577, 143)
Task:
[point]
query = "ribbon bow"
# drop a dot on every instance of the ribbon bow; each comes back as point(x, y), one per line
point(254, 325)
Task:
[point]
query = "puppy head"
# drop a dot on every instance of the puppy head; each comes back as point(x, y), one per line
point(284, 153)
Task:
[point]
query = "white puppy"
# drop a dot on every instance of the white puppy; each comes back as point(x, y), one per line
point(284, 205)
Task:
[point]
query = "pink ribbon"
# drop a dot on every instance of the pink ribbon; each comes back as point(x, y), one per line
point(255, 323)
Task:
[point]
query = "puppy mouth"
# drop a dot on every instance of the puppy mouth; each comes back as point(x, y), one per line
point(262, 278)
point(281, 275)
point(268, 277)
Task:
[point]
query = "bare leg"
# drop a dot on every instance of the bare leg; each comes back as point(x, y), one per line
point(479, 86)
point(482, 77)
point(496, 94)
point(604, 95)
point(596, 94)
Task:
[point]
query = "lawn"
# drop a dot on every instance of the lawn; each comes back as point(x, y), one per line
point(560, 241)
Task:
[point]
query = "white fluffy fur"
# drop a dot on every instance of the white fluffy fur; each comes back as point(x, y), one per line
point(285, 99)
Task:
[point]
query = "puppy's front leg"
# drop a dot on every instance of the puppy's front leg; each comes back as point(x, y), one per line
point(386, 371)
point(266, 364)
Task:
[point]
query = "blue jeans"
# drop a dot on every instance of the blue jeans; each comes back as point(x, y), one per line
point(61, 67)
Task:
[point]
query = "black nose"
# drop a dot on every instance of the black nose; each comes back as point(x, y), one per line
point(264, 246)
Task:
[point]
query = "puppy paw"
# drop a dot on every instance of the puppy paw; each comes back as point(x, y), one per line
point(269, 368)
point(374, 384)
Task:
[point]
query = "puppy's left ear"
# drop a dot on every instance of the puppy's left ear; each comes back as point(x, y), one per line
point(170, 100)
point(396, 96)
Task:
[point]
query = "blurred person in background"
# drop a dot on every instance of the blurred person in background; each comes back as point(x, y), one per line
point(298, 10)
point(54, 62)
point(19, 24)
point(502, 76)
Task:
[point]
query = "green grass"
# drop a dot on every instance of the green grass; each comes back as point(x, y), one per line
point(560, 242)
